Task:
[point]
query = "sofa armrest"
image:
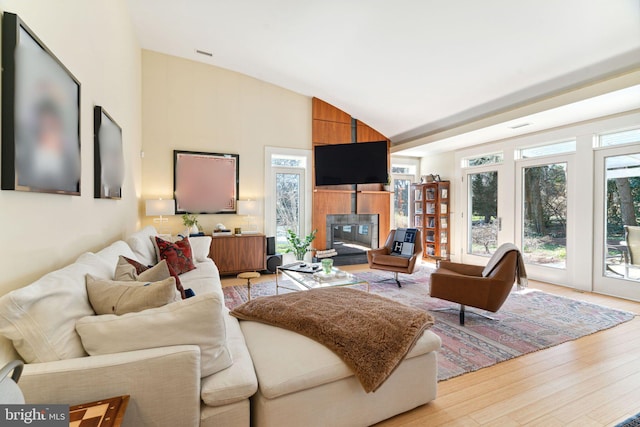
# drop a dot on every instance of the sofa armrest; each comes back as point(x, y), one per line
point(163, 383)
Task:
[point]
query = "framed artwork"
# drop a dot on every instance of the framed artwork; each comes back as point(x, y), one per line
point(40, 115)
point(205, 183)
point(108, 157)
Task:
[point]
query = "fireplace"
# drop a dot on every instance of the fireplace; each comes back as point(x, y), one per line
point(352, 235)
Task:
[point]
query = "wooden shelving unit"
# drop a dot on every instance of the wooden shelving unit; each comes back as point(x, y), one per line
point(430, 213)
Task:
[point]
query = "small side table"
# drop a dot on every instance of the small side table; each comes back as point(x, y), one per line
point(248, 276)
point(101, 413)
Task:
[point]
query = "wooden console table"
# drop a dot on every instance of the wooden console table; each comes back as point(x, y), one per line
point(238, 253)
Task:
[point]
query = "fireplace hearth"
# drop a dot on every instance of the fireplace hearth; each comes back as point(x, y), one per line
point(352, 235)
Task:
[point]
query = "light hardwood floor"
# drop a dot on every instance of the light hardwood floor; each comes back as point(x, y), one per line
point(592, 381)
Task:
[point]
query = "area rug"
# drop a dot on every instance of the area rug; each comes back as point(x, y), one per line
point(529, 320)
point(630, 422)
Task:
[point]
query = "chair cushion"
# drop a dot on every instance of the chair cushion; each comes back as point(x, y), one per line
point(391, 260)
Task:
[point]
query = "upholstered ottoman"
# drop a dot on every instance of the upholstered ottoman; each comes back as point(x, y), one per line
point(302, 383)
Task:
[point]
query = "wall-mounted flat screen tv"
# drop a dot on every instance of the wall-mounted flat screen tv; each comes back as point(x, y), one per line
point(363, 163)
point(205, 183)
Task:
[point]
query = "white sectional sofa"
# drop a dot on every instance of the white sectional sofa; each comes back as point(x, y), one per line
point(301, 381)
point(164, 383)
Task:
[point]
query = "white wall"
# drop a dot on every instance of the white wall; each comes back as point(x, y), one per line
point(95, 41)
point(193, 106)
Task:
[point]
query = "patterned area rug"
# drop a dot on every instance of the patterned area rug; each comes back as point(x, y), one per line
point(530, 320)
point(630, 422)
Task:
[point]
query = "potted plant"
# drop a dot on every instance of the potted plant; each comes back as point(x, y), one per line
point(387, 186)
point(297, 245)
point(191, 222)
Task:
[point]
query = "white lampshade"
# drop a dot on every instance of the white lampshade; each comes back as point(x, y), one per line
point(159, 207)
point(248, 207)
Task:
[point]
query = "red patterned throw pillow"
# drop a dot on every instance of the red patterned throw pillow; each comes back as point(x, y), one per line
point(177, 254)
point(140, 268)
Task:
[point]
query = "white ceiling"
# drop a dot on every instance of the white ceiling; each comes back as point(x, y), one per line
point(408, 67)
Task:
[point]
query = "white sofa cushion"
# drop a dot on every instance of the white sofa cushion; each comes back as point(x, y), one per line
point(236, 383)
point(198, 320)
point(111, 253)
point(204, 279)
point(200, 246)
point(99, 267)
point(305, 363)
point(142, 246)
point(40, 318)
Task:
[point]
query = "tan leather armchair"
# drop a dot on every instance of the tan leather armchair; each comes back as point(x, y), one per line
point(381, 259)
point(464, 283)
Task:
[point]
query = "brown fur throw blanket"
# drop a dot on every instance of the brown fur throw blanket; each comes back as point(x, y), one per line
point(370, 333)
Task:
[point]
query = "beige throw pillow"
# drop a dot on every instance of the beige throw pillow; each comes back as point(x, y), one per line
point(113, 297)
point(194, 321)
point(125, 272)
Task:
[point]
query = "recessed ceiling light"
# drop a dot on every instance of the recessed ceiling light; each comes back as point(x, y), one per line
point(521, 125)
point(204, 52)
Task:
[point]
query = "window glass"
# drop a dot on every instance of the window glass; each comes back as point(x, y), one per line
point(483, 218)
point(544, 221)
point(288, 161)
point(548, 149)
point(619, 138)
point(485, 159)
point(403, 169)
point(622, 204)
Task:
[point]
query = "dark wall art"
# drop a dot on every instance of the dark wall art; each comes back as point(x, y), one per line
point(108, 156)
point(40, 115)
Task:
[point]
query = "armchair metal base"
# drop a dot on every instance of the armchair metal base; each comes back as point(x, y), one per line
point(463, 311)
point(395, 277)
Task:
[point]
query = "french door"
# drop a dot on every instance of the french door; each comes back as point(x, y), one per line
point(543, 215)
point(617, 201)
point(485, 199)
point(289, 202)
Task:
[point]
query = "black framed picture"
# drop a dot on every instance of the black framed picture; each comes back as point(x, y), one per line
point(40, 115)
point(108, 156)
point(205, 183)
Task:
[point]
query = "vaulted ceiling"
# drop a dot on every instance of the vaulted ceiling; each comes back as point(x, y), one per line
point(406, 67)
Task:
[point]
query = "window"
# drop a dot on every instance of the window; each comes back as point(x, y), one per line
point(485, 159)
point(548, 149)
point(619, 138)
point(403, 169)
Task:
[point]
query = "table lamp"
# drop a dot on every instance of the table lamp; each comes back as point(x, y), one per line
point(160, 208)
point(250, 208)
